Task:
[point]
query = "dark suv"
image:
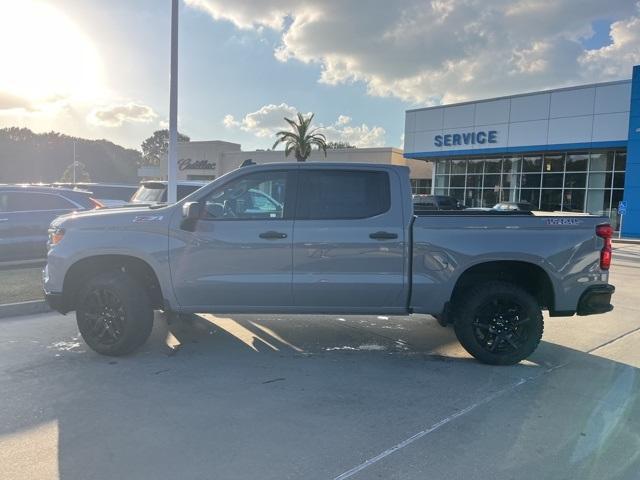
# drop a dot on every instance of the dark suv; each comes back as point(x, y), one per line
point(25, 214)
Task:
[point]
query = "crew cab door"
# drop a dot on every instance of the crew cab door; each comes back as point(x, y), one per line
point(349, 237)
point(238, 254)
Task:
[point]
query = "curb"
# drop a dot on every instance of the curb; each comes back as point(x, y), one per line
point(31, 307)
point(628, 241)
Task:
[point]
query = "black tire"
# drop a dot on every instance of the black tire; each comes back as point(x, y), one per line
point(114, 314)
point(498, 323)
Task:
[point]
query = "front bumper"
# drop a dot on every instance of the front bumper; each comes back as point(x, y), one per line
point(596, 299)
point(56, 301)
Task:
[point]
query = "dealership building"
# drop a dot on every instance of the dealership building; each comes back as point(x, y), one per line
point(571, 149)
point(207, 160)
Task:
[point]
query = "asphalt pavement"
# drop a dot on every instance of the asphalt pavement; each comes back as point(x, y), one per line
point(324, 397)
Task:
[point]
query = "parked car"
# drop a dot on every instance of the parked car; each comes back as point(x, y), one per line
point(436, 202)
point(109, 194)
point(513, 207)
point(505, 207)
point(25, 214)
point(345, 240)
point(155, 191)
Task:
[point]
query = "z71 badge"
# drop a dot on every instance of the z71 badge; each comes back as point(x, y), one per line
point(147, 218)
point(563, 221)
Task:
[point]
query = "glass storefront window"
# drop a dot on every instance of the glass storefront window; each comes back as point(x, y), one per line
point(511, 165)
point(618, 180)
point(598, 201)
point(601, 161)
point(490, 197)
point(475, 166)
point(531, 180)
point(551, 200)
point(492, 181)
point(457, 181)
point(573, 200)
point(472, 197)
point(492, 165)
point(598, 180)
point(532, 163)
point(575, 180)
point(577, 162)
point(531, 196)
point(457, 193)
point(553, 163)
point(442, 181)
point(552, 180)
point(442, 167)
point(569, 181)
point(474, 181)
point(421, 186)
point(459, 166)
point(510, 195)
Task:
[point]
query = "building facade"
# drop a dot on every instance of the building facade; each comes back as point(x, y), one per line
point(571, 149)
point(207, 160)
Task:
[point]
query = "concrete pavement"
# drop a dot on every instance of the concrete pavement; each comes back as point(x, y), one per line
point(328, 397)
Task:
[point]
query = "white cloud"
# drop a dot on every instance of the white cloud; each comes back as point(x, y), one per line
point(615, 60)
point(116, 115)
point(264, 122)
point(427, 52)
point(269, 119)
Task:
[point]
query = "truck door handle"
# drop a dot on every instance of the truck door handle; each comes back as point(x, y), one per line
point(271, 235)
point(383, 235)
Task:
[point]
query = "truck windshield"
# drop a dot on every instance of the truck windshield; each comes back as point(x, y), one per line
point(149, 193)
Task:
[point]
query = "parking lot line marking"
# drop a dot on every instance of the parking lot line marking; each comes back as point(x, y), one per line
point(431, 429)
point(464, 411)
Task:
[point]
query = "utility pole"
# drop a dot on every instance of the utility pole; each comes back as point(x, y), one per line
point(172, 160)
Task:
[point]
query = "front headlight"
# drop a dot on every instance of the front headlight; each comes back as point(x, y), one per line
point(55, 236)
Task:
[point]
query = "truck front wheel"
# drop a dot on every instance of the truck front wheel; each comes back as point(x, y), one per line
point(499, 323)
point(114, 313)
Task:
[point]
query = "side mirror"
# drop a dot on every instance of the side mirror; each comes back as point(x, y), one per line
point(191, 212)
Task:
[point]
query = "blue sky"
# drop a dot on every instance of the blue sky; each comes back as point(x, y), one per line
point(356, 65)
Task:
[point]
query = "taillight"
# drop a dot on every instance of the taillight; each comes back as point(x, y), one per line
point(605, 232)
point(96, 203)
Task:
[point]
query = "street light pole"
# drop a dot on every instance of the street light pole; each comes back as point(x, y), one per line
point(172, 161)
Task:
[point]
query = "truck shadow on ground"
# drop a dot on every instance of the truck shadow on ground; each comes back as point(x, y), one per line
point(298, 397)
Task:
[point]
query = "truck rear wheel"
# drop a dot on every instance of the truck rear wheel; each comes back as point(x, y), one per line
point(499, 323)
point(114, 314)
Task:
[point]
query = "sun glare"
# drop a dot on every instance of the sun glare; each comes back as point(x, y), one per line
point(44, 55)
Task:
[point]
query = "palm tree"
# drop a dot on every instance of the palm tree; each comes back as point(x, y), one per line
point(301, 138)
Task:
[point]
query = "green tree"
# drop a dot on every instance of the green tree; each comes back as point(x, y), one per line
point(337, 145)
point(301, 138)
point(157, 145)
point(81, 173)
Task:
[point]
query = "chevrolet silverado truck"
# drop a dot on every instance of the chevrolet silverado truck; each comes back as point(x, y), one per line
point(326, 238)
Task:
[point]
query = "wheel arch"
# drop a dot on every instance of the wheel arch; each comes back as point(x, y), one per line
point(529, 276)
point(139, 269)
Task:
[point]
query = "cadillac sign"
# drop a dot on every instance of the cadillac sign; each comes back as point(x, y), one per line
point(189, 164)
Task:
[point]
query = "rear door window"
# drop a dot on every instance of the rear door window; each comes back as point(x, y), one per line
point(342, 194)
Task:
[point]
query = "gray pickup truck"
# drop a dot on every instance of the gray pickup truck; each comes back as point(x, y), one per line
point(326, 239)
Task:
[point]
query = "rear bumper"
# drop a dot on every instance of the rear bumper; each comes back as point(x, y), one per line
point(596, 299)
